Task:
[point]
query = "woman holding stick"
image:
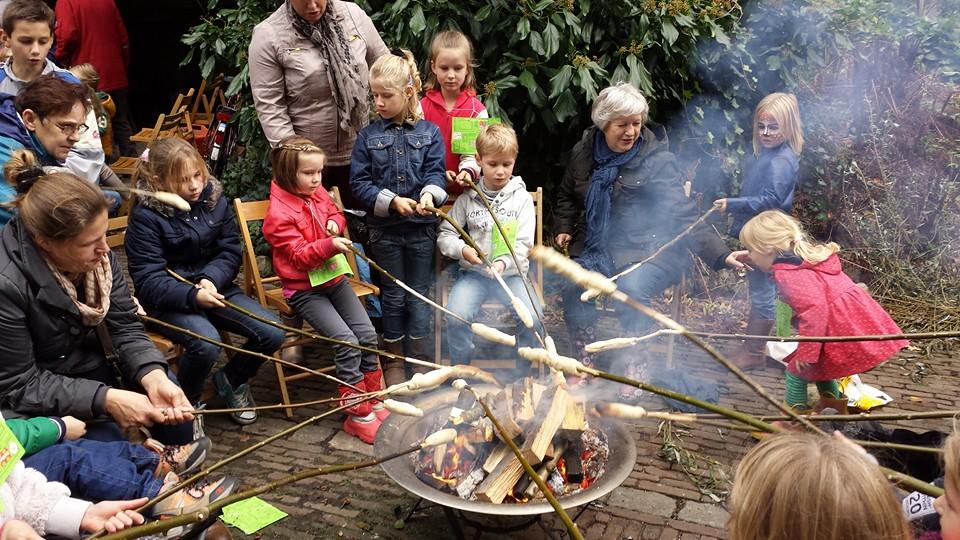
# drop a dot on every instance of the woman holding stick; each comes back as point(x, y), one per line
point(69, 333)
point(622, 177)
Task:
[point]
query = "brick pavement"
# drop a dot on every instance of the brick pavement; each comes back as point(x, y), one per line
point(657, 501)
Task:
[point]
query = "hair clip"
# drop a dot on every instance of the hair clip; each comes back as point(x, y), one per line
point(396, 51)
point(28, 177)
point(145, 156)
point(301, 147)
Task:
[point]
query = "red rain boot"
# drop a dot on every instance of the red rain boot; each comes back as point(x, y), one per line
point(360, 422)
point(372, 382)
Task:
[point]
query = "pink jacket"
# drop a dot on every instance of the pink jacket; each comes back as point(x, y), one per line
point(300, 241)
point(826, 302)
point(435, 110)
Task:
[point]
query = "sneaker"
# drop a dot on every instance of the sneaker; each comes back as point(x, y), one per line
point(194, 497)
point(182, 459)
point(236, 398)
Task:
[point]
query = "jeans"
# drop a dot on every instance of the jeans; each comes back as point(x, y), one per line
point(98, 471)
point(114, 201)
point(407, 253)
point(641, 285)
point(469, 291)
point(763, 294)
point(199, 356)
point(336, 312)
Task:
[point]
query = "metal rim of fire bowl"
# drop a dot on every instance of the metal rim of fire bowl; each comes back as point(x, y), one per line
point(399, 432)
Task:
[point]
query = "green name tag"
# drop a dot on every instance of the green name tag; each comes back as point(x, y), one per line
point(499, 246)
point(464, 132)
point(10, 453)
point(333, 267)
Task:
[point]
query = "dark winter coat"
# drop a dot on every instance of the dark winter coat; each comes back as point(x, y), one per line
point(201, 243)
point(649, 206)
point(826, 302)
point(44, 344)
point(768, 184)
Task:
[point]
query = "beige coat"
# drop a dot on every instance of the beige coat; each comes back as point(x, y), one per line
point(289, 81)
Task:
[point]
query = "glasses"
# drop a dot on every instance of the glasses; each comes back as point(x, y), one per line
point(71, 129)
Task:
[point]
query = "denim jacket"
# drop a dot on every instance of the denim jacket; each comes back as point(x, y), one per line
point(391, 160)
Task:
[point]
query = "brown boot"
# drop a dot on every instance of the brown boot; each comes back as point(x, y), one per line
point(292, 354)
point(750, 354)
point(419, 348)
point(393, 369)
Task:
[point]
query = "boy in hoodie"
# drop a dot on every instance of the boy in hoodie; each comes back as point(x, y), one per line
point(497, 150)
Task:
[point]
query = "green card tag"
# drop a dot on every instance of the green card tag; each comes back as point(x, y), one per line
point(464, 131)
point(499, 246)
point(333, 267)
point(251, 515)
point(10, 451)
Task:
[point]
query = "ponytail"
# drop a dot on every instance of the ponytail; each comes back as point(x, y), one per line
point(398, 71)
point(773, 231)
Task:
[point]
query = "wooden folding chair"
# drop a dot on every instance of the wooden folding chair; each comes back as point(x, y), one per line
point(176, 124)
point(208, 98)
point(267, 289)
point(534, 274)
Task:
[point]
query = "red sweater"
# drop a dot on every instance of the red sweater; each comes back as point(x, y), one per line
point(300, 241)
point(435, 110)
point(91, 31)
point(826, 302)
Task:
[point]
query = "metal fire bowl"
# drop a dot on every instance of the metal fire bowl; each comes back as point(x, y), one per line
point(399, 432)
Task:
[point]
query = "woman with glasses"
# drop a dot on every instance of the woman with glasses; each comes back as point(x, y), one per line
point(46, 118)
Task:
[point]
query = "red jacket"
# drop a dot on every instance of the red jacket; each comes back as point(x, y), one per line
point(300, 241)
point(91, 31)
point(826, 302)
point(435, 110)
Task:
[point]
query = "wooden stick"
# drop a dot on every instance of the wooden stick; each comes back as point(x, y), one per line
point(830, 339)
point(302, 404)
point(864, 416)
point(571, 526)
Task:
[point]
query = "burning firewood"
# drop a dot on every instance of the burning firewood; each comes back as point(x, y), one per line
point(552, 409)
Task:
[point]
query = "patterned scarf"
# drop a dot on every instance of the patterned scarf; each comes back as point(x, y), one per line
point(599, 200)
point(343, 74)
point(96, 287)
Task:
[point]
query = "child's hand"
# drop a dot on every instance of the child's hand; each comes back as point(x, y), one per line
point(342, 244)
point(14, 529)
point(403, 206)
point(208, 299)
point(75, 428)
point(562, 240)
point(470, 255)
point(332, 228)
point(721, 204)
point(459, 178)
point(737, 260)
point(498, 267)
point(111, 515)
point(800, 365)
point(208, 285)
point(426, 201)
point(140, 311)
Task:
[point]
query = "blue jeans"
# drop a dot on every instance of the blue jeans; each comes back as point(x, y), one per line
point(199, 356)
point(407, 253)
point(98, 471)
point(763, 294)
point(469, 291)
point(641, 285)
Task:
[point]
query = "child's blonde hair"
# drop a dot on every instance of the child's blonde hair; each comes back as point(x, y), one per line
point(452, 39)
point(772, 231)
point(285, 160)
point(168, 164)
point(801, 486)
point(398, 71)
point(497, 139)
point(786, 109)
point(951, 458)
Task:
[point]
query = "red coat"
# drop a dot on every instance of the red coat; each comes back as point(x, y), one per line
point(300, 241)
point(826, 302)
point(91, 31)
point(435, 110)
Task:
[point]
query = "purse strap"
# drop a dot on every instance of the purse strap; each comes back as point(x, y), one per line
point(109, 351)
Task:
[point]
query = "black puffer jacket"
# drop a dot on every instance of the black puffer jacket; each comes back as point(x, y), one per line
point(44, 344)
point(649, 206)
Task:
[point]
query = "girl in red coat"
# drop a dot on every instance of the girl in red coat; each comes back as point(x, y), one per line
point(450, 93)
point(303, 226)
point(825, 302)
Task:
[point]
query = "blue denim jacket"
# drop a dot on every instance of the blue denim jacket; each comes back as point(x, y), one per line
point(768, 184)
point(390, 160)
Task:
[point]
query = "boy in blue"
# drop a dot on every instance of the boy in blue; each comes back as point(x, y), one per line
point(397, 171)
point(768, 184)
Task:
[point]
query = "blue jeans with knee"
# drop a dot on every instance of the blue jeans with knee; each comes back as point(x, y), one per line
point(199, 356)
point(763, 294)
point(406, 251)
point(97, 471)
point(469, 291)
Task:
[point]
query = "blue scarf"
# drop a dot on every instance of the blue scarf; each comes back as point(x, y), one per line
point(607, 165)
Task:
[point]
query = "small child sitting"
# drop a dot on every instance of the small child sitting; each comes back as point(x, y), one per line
point(497, 150)
point(801, 486)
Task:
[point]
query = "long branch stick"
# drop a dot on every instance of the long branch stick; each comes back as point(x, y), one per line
point(863, 417)
point(195, 517)
point(299, 405)
point(571, 526)
point(829, 339)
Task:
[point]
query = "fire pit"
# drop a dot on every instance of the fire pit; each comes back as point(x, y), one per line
point(399, 432)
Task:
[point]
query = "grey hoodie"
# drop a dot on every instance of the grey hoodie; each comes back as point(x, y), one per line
point(514, 208)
